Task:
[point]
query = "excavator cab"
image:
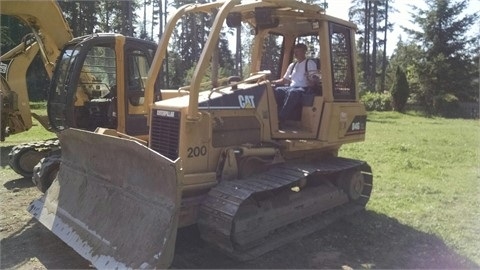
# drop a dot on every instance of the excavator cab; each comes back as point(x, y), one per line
point(100, 82)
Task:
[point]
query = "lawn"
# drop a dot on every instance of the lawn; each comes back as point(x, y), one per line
point(426, 175)
point(36, 133)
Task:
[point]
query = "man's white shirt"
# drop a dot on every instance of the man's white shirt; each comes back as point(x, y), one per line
point(298, 76)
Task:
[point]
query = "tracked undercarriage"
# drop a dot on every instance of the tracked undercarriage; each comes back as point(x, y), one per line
point(246, 218)
point(23, 158)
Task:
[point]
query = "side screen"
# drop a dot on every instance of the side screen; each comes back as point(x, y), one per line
point(342, 63)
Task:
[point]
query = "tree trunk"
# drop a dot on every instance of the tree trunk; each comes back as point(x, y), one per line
point(366, 51)
point(384, 60)
point(238, 55)
point(374, 47)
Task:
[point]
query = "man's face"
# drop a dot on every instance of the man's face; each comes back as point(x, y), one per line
point(299, 53)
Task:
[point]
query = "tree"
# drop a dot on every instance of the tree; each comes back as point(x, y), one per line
point(157, 17)
point(14, 32)
point(399, 91)
point(445, 66)
point(81, 16)
point(271, 56)
point(105, 15)
point(87, 17)
point(189, 38)
point(371, 16)
point(405, 56)
point(5, 40)
point(143, 27)
point(127, 17)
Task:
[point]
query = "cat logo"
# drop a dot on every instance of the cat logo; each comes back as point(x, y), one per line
point(246, 102)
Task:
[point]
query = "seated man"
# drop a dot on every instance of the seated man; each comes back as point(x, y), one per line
point(290, 97)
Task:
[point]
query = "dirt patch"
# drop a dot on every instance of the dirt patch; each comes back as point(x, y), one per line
point(363, 240)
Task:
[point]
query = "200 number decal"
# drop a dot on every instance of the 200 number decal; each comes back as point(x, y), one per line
point(197, 151)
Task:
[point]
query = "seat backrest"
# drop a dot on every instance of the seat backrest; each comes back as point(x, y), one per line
point(316, 89)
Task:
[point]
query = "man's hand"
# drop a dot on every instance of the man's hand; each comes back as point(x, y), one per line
point(281, 81)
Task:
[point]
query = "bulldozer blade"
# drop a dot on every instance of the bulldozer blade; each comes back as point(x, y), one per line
point(114, 201)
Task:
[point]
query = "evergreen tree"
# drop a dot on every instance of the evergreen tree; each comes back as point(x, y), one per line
point(87, 17)
point(123, 16)
point(81, 16)
point(143, 27)
point(13, 33)
point(189, 38)
point(271, 56)
point(5, 39)
point(445, 67)
point(405, 56)
point(371, 16)
point(399, 91)
point(157, 18)
point(106, 11)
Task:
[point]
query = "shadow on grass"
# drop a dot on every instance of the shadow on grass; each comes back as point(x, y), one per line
point(19, 183)
point(363, 240)
point(379, 241)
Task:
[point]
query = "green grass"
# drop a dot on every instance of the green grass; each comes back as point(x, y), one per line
point(426, 175)
point(36, 133)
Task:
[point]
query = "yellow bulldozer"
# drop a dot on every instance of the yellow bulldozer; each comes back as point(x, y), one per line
point(217, 157)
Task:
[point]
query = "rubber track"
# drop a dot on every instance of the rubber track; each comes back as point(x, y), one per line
point(17, 151)
point(46, 170)
point(218, 211)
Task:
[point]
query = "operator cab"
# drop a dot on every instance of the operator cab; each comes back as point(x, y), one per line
point(329, 44)
point(100, 82)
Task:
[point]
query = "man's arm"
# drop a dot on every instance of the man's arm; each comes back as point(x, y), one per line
point(281, 81)
point(311, 67)
point(285, 79)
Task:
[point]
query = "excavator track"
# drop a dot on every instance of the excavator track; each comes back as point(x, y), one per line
point(23, 157)
point(249, 217)
point(46, 170)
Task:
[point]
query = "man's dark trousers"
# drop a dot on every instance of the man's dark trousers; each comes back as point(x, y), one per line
point(288, 101)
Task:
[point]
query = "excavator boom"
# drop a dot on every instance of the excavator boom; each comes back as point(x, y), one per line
point(47, 23)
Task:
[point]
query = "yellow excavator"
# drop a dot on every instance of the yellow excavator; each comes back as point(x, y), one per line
point(97, 80)
point(218, 158)
point(49, 32)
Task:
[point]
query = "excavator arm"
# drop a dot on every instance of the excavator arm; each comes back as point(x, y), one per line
point(16, 114)
point(50, 32)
